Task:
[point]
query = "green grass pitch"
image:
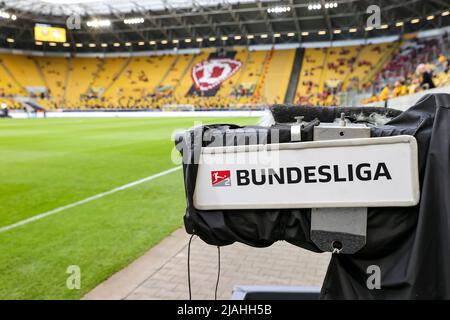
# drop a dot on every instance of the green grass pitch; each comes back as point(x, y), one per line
point(49, 163)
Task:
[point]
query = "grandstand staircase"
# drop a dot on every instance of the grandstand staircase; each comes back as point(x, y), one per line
point(346, 80)
point(117, 75)
point(12, 76)
point(295, 76)
point(166, 74)
point(66, 80)
point(382, 62)
point(243, 70)
point(261, 74)
point(41, 73)
point(95, 75)
point(322, 72)
point(29, 104)
point(185, 72)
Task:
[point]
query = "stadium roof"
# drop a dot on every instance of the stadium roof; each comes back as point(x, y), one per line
point(115, 25)
point(105, 7)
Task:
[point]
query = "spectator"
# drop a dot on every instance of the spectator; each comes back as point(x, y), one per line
point(399, 89)
point(5, 111)
point(425, 74)
point(384, 94)
point(443, 63)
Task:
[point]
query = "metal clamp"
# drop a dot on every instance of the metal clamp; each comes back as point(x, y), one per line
point(296, 129)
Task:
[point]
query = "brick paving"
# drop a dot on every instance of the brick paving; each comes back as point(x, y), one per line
point(162, 272)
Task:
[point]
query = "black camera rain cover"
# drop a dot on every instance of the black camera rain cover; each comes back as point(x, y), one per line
point(410, 245)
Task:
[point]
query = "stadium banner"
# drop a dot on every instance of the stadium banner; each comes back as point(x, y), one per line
point(366, 172)
point(209, 74)
point(47, 33)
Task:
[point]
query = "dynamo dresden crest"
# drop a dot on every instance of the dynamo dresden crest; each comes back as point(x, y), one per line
point(211, 73)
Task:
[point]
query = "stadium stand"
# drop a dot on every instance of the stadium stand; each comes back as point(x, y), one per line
point(81, 70)
point(108, 70)
point(326, 72)
point(375, 71)
point(140, 78)
point(24, 70)
point(9, 84)
point(185, 83)
point(228, 86)
point(312, 67)
point(172, 79)
point(55, 73)
point(252, 71)
point(412, 62)
point(275, 79)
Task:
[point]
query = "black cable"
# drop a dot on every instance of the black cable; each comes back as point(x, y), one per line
point(218, 272)
point(189, 267)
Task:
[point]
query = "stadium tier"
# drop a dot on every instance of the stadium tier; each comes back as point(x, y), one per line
point(328, 71)
point(218, 78)
point(403, 73)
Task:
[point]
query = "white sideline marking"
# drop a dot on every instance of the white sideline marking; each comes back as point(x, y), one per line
point(97, 196)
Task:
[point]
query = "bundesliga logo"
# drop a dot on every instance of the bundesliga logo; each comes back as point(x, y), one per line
point(221, 178)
